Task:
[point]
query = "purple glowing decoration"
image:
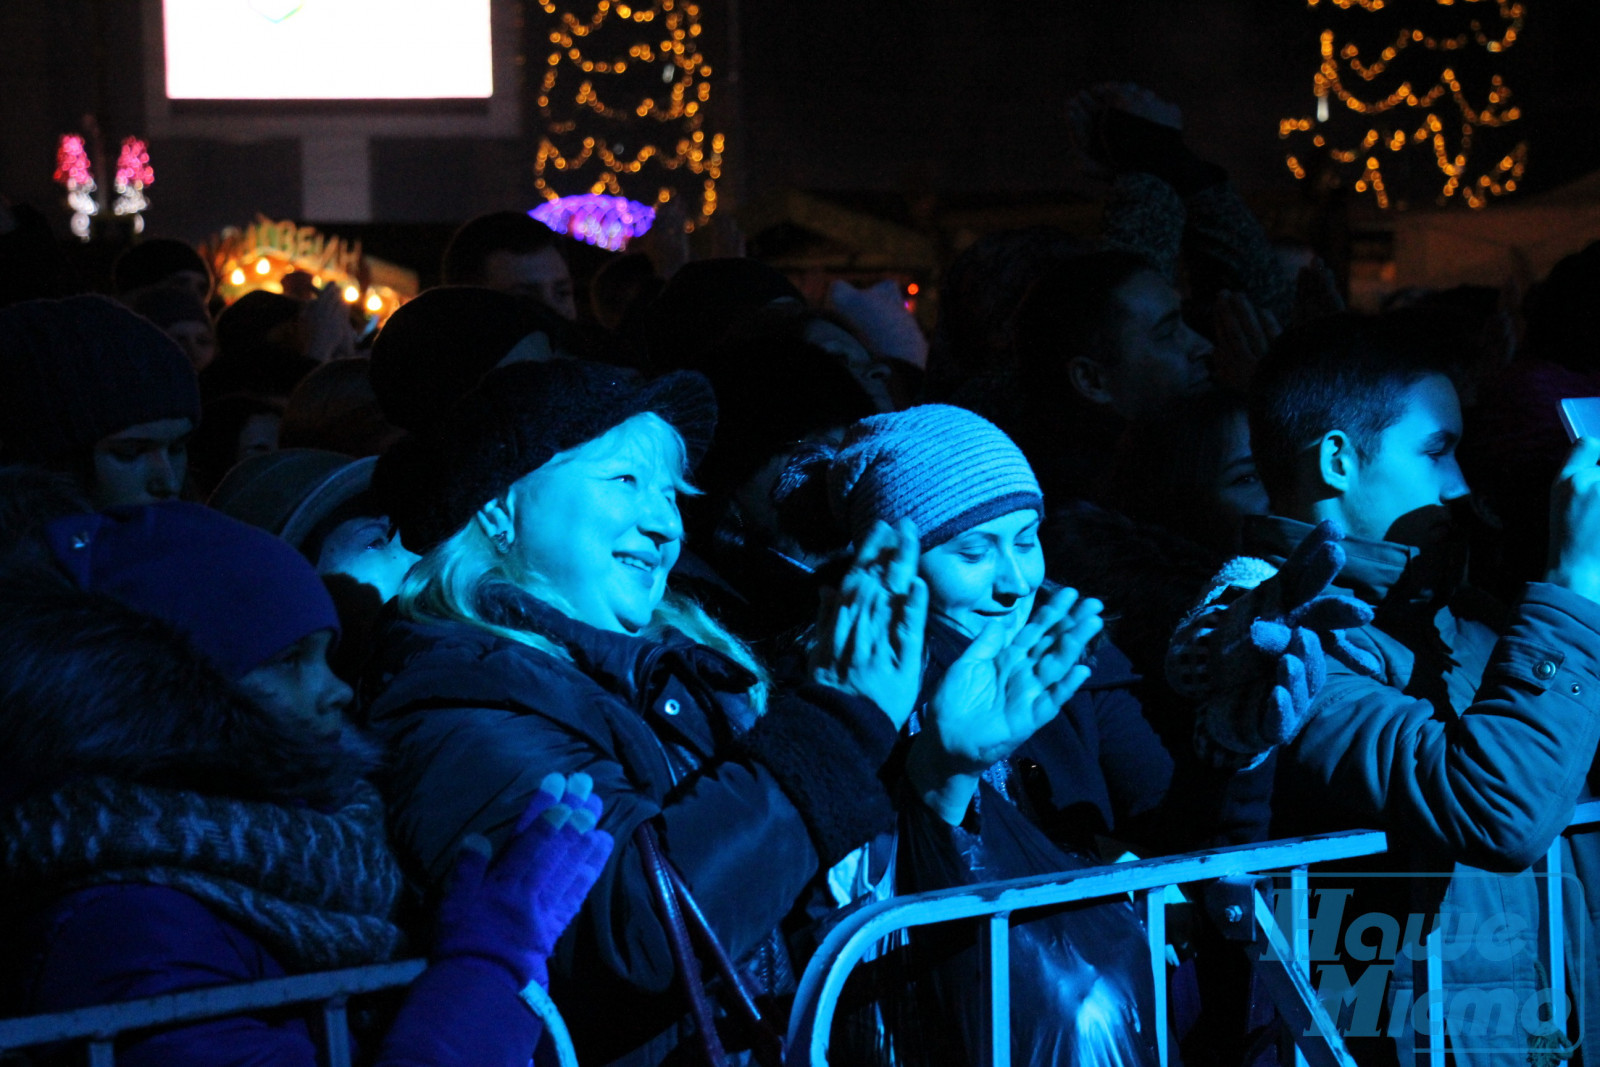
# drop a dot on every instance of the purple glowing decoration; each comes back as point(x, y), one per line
point(607, 221)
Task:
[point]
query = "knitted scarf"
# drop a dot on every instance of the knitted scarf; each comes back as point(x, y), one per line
point(316, 888)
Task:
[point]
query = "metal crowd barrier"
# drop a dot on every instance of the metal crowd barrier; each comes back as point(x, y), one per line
point(1552, 952)
point(1233, 896)
point(1236, 900)
point(101, 1025)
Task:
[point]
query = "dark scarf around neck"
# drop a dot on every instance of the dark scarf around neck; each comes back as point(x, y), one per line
point(316, 888)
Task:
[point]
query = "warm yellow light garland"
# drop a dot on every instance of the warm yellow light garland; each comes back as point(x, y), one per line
point(1409, 115)
point(671, 29)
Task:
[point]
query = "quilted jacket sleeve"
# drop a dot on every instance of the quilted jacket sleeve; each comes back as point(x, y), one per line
point(1491, 786)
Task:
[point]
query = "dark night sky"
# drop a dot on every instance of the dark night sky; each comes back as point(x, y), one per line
point(960, 96)
point(884, 95)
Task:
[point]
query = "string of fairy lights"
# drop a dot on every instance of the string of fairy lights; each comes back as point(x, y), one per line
point(1412, 117)
point(651, 146)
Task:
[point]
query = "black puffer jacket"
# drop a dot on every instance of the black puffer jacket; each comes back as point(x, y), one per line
point(749, 809)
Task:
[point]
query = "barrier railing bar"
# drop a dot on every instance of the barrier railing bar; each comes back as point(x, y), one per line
point(994, 1016)
point(856, 933)
point(1289, 981)
point(336, 1031)
point(1434, 993)
point(106, 1020)
point(1300, 915)
point(1155, 924)
point(1555, 929)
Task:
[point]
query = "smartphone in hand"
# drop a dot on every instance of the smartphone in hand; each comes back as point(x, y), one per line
point(1580, 416)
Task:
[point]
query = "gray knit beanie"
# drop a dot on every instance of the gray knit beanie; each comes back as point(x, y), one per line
point(944, 468)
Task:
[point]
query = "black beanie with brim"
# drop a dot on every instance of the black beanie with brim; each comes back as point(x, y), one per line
point(517, 418)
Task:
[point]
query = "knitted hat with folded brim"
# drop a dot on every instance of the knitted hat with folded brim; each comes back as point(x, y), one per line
point(77, 370)
point(515, 420)
point(944, 468)
point(239, 594)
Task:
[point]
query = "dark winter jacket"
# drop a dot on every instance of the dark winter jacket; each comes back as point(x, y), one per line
point(1470, 749)
point(748, 809)
point(129, 870)
point(1102, 769)
point(128, 941)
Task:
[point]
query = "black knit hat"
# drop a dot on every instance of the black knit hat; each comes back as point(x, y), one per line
point(704, 300)
point(436, 347)
point(250, 318)
point(77, 370)
point(168, 305)
point(515, 421)
point(153, 262)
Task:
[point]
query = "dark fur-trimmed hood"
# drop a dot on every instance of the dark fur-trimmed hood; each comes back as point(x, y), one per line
point(89, 686)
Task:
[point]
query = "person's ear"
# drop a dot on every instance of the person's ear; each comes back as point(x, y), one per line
point(1336, 460)
point(497, 522)
point(1088, 377)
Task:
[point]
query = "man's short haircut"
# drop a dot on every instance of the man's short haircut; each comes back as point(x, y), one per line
point(1072, 310)
point(479, 238)
point(1344, 372)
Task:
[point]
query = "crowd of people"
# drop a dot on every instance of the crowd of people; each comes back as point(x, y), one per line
point(607, 658)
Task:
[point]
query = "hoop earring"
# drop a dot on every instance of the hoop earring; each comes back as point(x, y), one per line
point(502, 542)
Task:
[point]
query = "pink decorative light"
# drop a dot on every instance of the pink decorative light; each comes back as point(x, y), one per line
point(74, 172)
point(133, 165)
point(609, 222)
point(133, 174)
point(72, 162)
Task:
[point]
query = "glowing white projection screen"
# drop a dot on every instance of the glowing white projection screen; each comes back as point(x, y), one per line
point(327, 49)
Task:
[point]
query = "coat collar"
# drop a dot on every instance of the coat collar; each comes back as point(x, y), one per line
point(623, 663)
point(1375, 571)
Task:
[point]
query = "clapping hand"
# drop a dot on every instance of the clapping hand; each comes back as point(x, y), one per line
point(870, 631)
point(997, 695)
point(510, 910)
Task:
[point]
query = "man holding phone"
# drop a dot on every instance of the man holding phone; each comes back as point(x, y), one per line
point(1466, 732)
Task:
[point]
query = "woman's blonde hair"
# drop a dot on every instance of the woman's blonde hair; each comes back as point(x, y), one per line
point(448, 583)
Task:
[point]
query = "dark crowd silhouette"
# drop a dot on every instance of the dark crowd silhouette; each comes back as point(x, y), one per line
point(561, 634)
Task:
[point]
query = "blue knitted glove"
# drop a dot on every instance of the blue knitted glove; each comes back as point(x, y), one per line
point(511, 910)
point(1253, 654)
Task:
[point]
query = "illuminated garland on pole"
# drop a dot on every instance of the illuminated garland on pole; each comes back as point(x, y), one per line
point(623, 97)
point(1379, 109)
point(134, 173)
point(74, 171)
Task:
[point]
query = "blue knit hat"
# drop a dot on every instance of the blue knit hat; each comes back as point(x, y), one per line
point(240, 594)
point(944, 468)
